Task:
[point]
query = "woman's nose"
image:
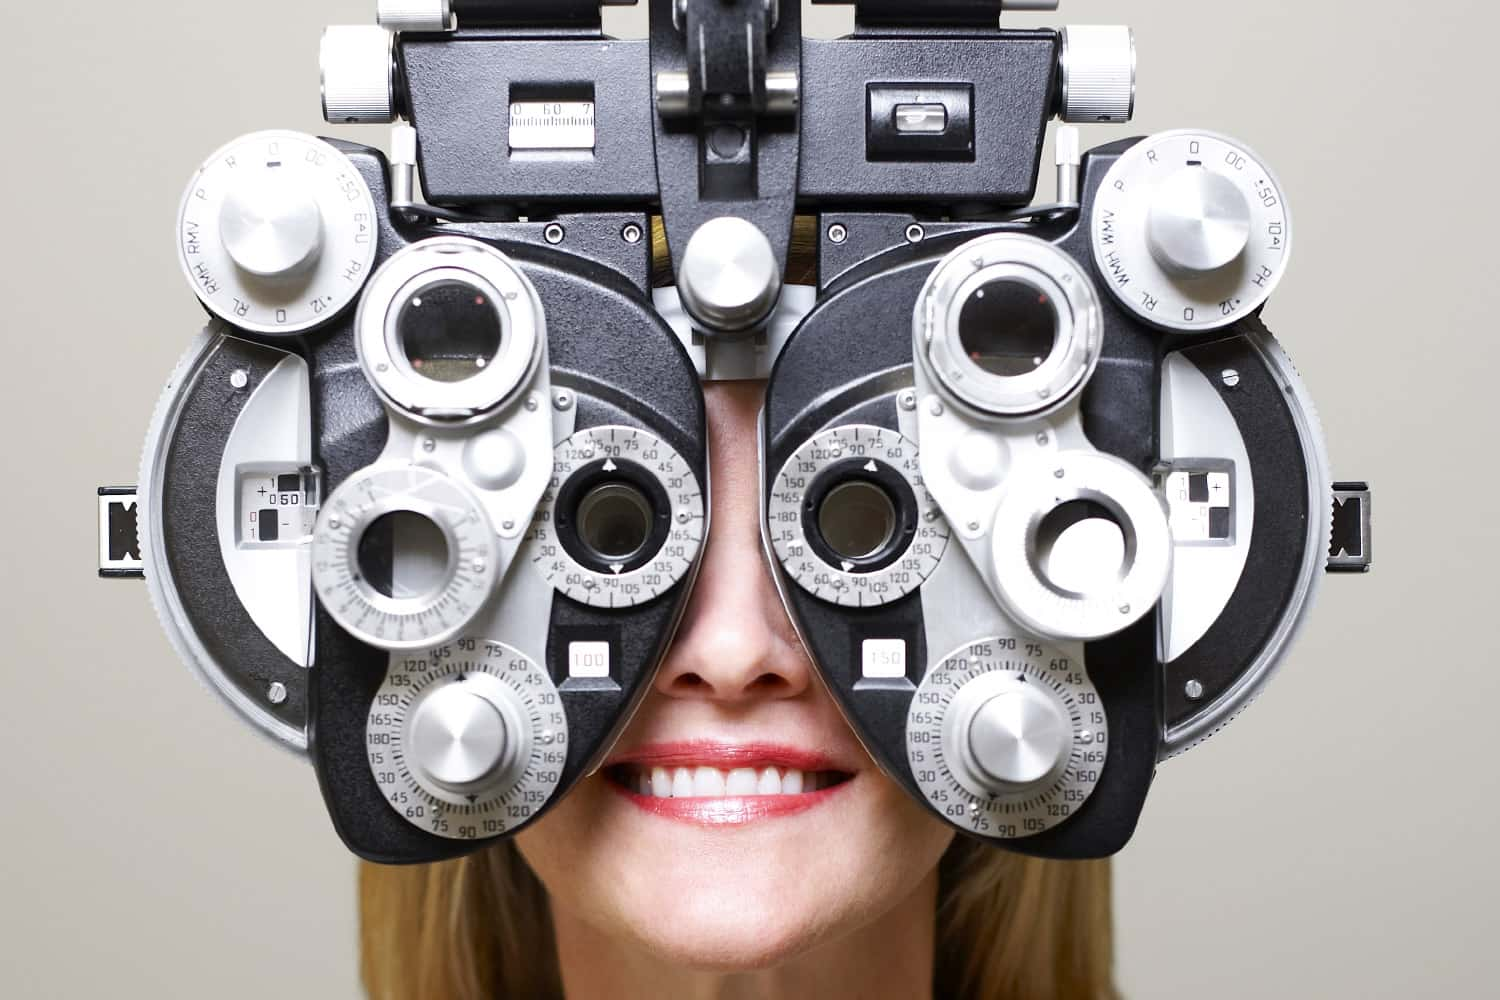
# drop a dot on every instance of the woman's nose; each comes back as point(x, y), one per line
point(735, 642)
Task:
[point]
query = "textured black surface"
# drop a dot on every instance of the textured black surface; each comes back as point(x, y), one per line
point(970, 13)
point(1278, 541)
point(210, 406)
point(459, 92)
point(1012, 74)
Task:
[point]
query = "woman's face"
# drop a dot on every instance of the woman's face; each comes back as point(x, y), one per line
point(738, 822)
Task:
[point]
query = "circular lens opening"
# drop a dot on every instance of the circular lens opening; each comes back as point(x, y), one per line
point(404, 556)
point(614, 521)
point(450, 331)
point(1081, 549)
point(857, 519)
point(1008, 327)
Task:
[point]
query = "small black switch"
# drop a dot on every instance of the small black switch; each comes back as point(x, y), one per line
point(915, 122)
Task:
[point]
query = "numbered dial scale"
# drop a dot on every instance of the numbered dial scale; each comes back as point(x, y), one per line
point(603, 458)
point(1191, 231)
point(423, 582)
point(467, 740)
point(276, 232)
point(1007, 737)
point(888, 459)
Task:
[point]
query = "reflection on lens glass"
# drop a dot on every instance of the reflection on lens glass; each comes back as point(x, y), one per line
point(857, 519)
point(450, 331)
point(403, 555)
point(614, 521)
point(1008, 327)
point(1081, 549)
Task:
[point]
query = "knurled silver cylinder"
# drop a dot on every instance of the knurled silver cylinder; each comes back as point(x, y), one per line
point(415, 15)
point(359, 67)
point(1098, 74)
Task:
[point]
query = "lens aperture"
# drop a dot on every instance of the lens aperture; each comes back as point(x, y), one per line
point(857, 519)
point(450, 331)
point(1008, 327)
point(615, 521)
point(404, 556)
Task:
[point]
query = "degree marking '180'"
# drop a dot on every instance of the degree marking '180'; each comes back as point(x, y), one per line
point(1034, 811)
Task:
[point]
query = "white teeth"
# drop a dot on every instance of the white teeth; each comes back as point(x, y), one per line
point(712, 783)
point(708, 783)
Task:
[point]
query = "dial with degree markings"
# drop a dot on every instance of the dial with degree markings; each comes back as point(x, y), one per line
point(877, 451)
point(467, 740)
point(441, 556)
point(1191, 231)
point(1006, 737)
point(614, 455)
point(277, 232)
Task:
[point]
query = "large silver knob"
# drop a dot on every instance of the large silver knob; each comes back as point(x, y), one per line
point(270, 225)
point(1199, 222)
point(358, 64)
point(729, 279)
point(1018, 737)
point(1098, 74)
point(459, 738)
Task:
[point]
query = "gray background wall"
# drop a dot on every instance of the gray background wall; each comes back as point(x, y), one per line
point(1336, 842)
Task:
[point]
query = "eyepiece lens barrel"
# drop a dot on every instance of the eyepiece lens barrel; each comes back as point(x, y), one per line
point(614, 521)
point(857, 519)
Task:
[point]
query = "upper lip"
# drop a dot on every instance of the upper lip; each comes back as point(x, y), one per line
point(726, 756)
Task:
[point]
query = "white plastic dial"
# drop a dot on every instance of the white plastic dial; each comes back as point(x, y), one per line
point(435, 791)
point(943, 737)
point(787, 526)
point(277, 232)
point(678, 553)
point(1191, 231)
point(403, 621)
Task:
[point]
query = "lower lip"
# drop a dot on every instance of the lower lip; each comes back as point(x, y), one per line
point(732, 810)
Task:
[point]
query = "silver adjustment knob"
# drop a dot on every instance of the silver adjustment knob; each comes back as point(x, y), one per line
point(1018, 737)
point(459, 737)
point(270, 225)
point(1199, 222)
point(729, 280)
point(358, 64)
point(415, 15)
point(1098, 74)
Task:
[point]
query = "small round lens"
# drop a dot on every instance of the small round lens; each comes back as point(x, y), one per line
point(403, 556)
point(857, 519)
point(1008, 327)
point(1080, 549)
point(450, 331)
point(614, 521)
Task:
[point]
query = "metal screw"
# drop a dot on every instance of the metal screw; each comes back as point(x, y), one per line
point(1193, 690)
point(554, 233)
point(935, 407)
point(1231, 378)
point(632, 233)
point(837, 233)
point(508, 526)
point(908, 400)
point(915, 233)
point(1061, 473)
point(563, 400)
point(683, 517)
point(334, 523)
point(973, 525)
point(429, 445)
point(479, 565)
point(240, 378)
point(277, 693)
point(1124, 609)
point(532, 403)
point(1042, 439)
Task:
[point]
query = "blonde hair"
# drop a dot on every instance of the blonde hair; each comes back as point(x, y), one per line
point(479, 928)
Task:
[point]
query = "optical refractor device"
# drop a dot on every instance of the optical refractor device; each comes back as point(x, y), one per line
point(424, 501)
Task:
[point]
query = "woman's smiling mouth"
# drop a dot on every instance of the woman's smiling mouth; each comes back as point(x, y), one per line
point(718, 784)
